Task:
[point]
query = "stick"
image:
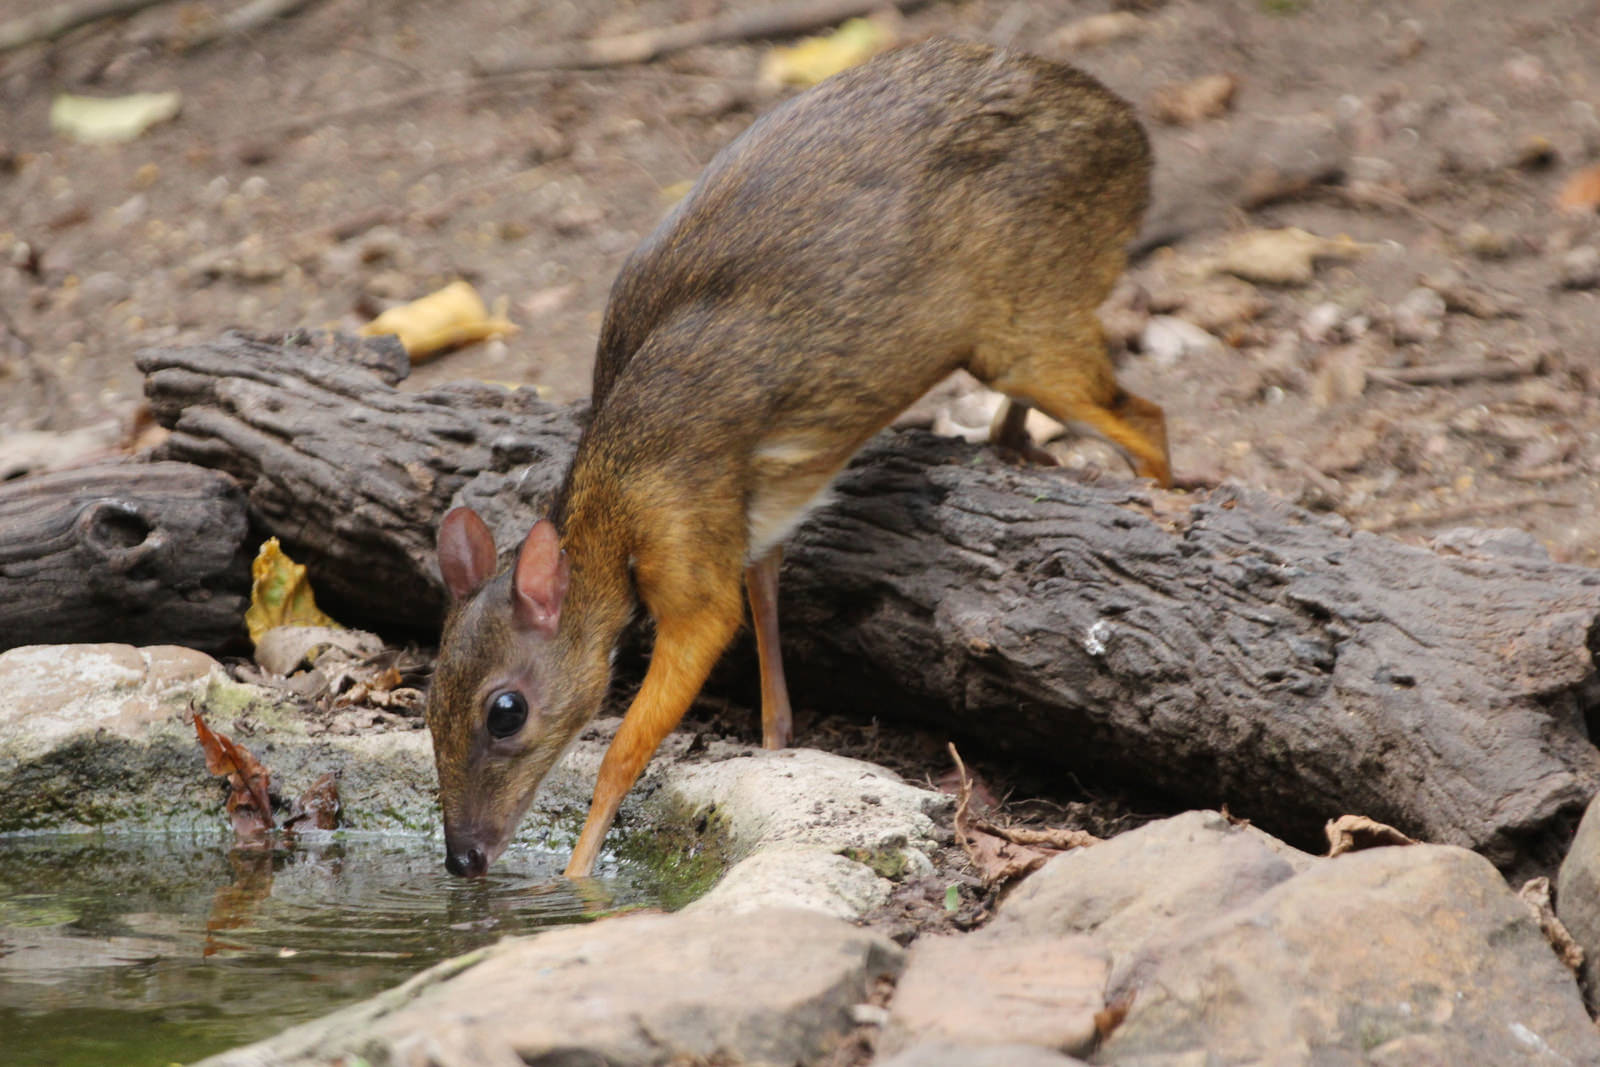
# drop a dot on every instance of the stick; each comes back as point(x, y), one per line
point(1462, 512)
point(251, 16)
point(1484, 370)
point(52, 22)
point(779, 20)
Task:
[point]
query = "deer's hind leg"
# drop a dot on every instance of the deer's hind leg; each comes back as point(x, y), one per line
point(1061, 367)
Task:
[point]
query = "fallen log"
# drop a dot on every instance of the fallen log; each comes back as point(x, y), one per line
point(151, 553)
point(1212, 648)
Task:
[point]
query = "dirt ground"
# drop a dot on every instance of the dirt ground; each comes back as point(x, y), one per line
point(1435, 369)
point(311, 178)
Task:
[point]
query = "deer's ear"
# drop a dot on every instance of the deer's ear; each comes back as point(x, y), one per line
point(466, 552)
point(539, 582)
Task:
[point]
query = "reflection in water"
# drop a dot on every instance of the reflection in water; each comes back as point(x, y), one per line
point(134, 949)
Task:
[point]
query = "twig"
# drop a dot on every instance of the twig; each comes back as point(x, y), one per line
point(1464, 511)
point(963, 801)
point(1055, 837)
point(1481, 370)
point(52, 22)
point(1366, 194)
point(251, 16)
point(779, 20)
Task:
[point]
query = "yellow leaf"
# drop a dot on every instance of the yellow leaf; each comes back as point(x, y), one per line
point(453, 316)
point(1281, 257)
point(280, 594)
point(816, 58)
point(97, 120)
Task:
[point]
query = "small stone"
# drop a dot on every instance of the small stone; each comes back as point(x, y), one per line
point(253, 187)
point(104, 288)
point(1167, 340)
point(868, 1014)
point(1419, 317)
point(1322, 322)
point(1483, 242)
point(130, 210)
point(1580, 268)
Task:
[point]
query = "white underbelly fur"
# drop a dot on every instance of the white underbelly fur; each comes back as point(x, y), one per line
point(793, 479)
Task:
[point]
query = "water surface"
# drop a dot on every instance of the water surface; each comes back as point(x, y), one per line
point(133, 949)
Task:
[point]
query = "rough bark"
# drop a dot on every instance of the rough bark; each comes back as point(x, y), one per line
point(1219, 648)
point(150, 553)
point(349, 472)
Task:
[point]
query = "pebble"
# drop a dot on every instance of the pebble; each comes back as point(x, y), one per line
point(1580, 268)
point(130, 210)
point(1483, 242)
point(1322, 322)
point(1419, 317)
point(1168, 339)
point(105, 287)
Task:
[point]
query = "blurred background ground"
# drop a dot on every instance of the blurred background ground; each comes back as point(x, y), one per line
point(1437, 369)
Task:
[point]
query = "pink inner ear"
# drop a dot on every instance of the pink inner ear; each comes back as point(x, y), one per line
point(466, 552)
point(540, 582)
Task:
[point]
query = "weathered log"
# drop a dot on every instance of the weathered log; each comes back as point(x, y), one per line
point(1221, 647)
point(349, 472)
point(146, 553)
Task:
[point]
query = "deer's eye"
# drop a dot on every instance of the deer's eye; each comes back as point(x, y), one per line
point(507, 712)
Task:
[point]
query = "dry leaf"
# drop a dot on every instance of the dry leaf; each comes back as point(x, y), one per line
point(287, 647)
point(248, 805)
point(1472, 300)
point(815, 58)
point(280, 594)
point(1535, 893)
point(1097, 30)
point(1281, 257)
point(449, 318)
point(1108, 1018)
point(1186, 103)
point(318, 807)
point(95, 120)
point(1581, 191)
point(1352, 833)
point(1002, 855)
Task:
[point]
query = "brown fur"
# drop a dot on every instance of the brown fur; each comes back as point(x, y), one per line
point(944, 206)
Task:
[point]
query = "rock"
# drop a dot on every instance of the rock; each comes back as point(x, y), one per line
point(1580, 268)
point(775, 987)
point(949, 1054)
point(1392, 955)
point(1169, 340)
point(67, 692)
point(1149, 885)
point(808, 798)
point(1578, 896)
point(99, 736)
point(1419, 317)
point(1036, 990)
point(810, 878)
